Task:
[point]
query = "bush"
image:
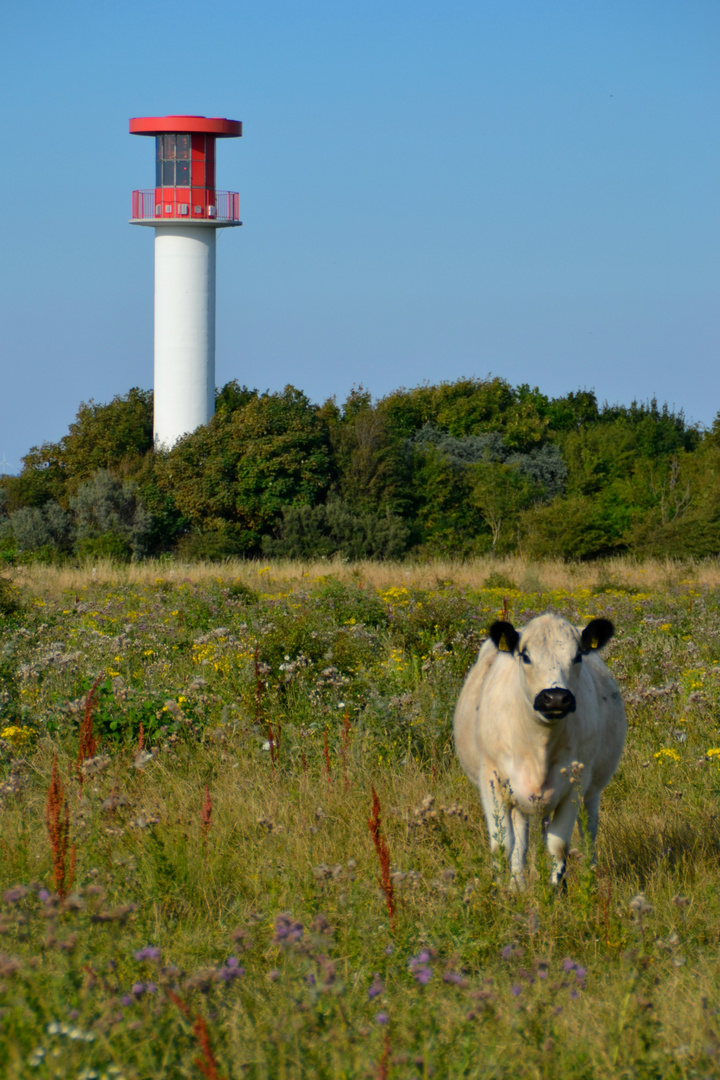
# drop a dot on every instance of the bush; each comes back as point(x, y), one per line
point(334, 528)
point(110, 519)
point(9, 598)
point(49, 527)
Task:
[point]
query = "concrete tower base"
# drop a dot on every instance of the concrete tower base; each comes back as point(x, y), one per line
point(184, 330)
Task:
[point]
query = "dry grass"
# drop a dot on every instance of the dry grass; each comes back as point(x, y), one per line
point(280, 575)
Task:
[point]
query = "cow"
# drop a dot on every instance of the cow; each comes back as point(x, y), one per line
point(539, 724)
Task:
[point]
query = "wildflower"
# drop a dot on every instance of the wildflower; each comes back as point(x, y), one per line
point(17, 892)
point(419, 966)
point(17, 736)
point(376, 988)
point(516, 990)
point(667, 752)
point(382, 1018)
point(713, 752)
point(150, 952)
point(640, 905)
point(453, 977)
point(287, 931)
point(231, 969)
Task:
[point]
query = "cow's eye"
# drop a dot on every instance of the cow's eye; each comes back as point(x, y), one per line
point(525, 657)
point(578, 658)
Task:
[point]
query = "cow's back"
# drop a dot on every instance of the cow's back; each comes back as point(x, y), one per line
point(466, 718)
point(610, 723)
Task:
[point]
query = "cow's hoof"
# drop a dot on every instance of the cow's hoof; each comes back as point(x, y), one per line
point(558, 879)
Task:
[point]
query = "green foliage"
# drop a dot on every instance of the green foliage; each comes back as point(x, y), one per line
point(110, 519)
point(236, 474)
point(336, 528)
point(453, 469)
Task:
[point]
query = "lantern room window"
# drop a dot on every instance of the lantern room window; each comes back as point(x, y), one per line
point(184, 160)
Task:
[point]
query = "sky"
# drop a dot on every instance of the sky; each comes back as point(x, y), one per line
point(523, 188)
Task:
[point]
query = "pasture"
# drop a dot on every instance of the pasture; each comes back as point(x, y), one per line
point(190, 884)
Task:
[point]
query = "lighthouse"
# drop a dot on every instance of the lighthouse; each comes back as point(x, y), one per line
point(186, 210)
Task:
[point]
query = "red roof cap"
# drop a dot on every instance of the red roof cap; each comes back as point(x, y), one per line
point(208, 125)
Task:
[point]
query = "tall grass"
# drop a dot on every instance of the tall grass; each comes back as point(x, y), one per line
point(226, 916)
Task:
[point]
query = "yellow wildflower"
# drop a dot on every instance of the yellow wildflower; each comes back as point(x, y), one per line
point(17, 736)
point(667, 752)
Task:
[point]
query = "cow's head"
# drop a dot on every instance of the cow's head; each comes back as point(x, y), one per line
point(549, 653)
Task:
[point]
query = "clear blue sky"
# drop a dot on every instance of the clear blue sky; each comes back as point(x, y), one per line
point(524, 187)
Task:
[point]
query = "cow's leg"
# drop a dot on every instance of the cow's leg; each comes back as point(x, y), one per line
point(592, 812)
point(521, 827)
point(497, 815)
point(558, 836)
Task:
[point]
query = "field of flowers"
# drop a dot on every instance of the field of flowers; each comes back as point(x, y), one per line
point(236, 842)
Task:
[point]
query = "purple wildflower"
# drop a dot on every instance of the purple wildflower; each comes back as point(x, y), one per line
point(150, 952)
point(137, 989)
point(287, 930)
point(382, 1018)
point(516, 990)
point(452, 977)
point(388, 950)
point(376, 988)
point(569, 965)
point(127, 1000)
point(18, 892)
point(43, 896)
point(574, 995)
point(418, 966)
point(150, 988)
point(310, 978)
point(506, 952)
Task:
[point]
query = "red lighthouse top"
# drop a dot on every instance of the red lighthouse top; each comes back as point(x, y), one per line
point(205, 125)
point(185, 172)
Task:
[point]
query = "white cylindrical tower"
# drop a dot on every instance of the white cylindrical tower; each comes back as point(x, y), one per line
point(186, 211)
point(184, 330)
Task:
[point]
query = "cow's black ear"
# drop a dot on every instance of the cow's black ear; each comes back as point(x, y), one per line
point(596, 634)
point(505, 636)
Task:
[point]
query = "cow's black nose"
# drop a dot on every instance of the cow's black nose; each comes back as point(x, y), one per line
point(556, 701)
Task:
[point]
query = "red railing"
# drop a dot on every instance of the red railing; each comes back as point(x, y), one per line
point(185, 204)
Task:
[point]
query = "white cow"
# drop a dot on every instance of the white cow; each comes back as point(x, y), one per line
point(539, 724)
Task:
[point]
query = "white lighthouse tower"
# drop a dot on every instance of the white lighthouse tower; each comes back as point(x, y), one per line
point(186, 210)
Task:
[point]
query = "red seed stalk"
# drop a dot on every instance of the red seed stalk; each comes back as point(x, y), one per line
point(326, 755)
point(88, 744)
point(383, 1068)
point(207, 1063)
point(207, 808)
point(344, 742)
point(141, 737)
point(57, 819)
point(383, 854)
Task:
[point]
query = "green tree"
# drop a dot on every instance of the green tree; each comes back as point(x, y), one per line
point(237, 473)
point(500, 492)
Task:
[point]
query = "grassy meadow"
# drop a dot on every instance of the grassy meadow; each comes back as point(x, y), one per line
point(190, 886)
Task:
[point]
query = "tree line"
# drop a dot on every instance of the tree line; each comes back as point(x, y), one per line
point(459, 468)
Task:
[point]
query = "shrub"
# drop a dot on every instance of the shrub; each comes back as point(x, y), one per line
point(110, 519)
point(334, 528)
